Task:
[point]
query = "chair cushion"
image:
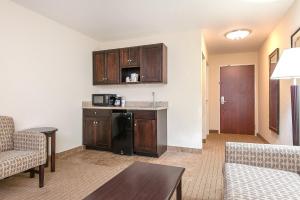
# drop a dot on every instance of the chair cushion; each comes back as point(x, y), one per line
point(245, 182)
point(7, 129)
point(14, 162)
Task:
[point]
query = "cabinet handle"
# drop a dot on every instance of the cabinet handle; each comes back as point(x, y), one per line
point(135, 124)
point(95, 113)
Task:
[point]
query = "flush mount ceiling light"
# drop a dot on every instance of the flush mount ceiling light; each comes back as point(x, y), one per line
point(237, 34)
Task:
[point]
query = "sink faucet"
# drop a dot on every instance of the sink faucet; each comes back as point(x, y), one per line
point(153, 99)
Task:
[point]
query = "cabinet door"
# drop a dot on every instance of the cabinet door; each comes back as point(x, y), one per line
point(124, 57)
point(134, 56)
point(151, 63)
point(103, 132)
point(99, 73)
point(145, 136)
point(112, 67)
point(89, 132)
point(130, 57)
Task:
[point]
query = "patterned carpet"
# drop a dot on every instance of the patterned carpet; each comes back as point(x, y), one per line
point(80, 174)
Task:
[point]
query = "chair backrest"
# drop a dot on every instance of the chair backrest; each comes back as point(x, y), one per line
point(7, 128)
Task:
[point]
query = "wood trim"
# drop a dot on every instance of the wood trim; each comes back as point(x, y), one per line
point(213, 131)
point(293, 36)
point(184, 149)
point(274, 107)
point(70, 151)
point(295, 114)
point(261, 137)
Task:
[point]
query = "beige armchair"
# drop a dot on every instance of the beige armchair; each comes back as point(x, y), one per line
point(261, 171)
point(21, 151)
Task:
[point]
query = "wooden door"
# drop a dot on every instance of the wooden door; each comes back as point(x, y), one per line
point(112, 67)
point(151, 63)
point(237, 99)
point(144, 136)
point(103, 132)
point(99, 73)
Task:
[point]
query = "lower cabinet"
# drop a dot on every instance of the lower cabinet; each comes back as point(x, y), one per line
point(97, 130)
point(150, 131)
point(145, 136)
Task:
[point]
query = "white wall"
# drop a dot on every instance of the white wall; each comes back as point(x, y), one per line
point(279, 38)
point(183, 91)
point(45, 73)
point(215, 62)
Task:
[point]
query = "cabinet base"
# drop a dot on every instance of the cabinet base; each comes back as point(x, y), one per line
point(98, 148)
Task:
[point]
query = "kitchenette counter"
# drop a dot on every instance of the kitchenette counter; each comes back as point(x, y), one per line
point(131, 105)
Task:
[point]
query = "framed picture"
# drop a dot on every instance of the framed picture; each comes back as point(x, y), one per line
point(295, 39)
point(273, 93)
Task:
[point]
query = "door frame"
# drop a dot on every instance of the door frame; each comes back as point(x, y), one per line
point(205, 97)
point(255, 94)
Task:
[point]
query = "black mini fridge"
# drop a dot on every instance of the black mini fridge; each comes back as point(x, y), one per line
point(122, 132)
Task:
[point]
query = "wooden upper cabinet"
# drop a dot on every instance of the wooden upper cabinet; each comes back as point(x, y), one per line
point(106, 67)
point(130, 57)
point(153, 63)
point(113, 66)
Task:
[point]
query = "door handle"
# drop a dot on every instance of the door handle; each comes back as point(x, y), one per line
point(223, 100)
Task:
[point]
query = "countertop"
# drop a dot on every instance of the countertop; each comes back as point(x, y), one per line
point(129, 106)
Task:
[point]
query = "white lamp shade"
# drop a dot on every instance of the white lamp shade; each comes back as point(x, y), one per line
point(288, 66)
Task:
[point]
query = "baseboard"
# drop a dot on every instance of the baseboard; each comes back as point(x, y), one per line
point(213, 131)
point(184, 149)
point(261, 137)
point(69, 152)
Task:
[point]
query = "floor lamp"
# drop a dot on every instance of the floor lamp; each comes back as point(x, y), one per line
point(288, 67)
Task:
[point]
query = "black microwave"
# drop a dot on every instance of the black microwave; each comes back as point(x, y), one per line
point(103, 99)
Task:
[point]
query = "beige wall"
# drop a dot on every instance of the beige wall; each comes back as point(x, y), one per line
point(279, 38)
point(45, 73)
point(183, 91)
point(215, 62)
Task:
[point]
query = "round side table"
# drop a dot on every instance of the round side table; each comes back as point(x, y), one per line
point(50, 132)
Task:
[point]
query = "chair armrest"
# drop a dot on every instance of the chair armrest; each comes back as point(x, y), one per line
point(29, 141)
point(280, 157)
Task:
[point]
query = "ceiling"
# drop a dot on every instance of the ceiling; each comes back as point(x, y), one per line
point(108, 20)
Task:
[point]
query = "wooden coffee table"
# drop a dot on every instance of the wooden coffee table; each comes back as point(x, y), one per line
point(142, 181)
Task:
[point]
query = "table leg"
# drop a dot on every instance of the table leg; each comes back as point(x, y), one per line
point(53, 152)
point(179, 191)
point(47, 149)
